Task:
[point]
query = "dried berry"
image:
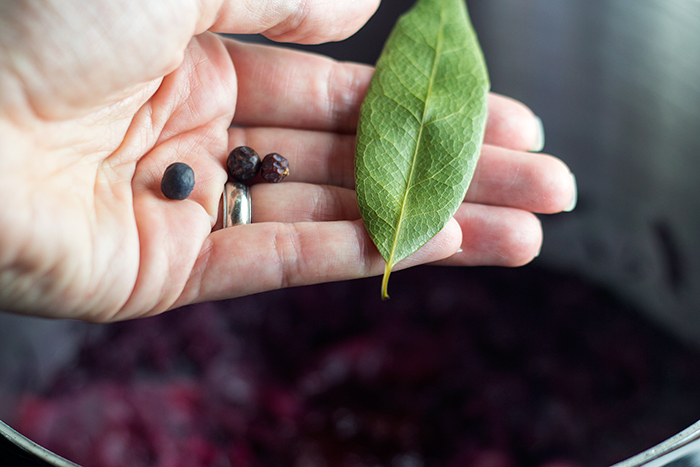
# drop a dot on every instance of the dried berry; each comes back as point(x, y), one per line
point(178, 181)
point(243, 164)
point(274, 168)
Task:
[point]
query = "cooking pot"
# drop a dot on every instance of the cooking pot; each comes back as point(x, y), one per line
point(617, 85)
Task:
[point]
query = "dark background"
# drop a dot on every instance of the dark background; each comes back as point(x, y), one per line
point(588, 355)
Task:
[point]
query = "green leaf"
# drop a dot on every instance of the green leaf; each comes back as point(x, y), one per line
point(421, 128)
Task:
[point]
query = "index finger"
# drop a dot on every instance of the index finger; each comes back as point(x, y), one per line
point(280, 87)
point(291, 89)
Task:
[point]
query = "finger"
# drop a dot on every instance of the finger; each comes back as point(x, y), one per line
point(302, 202)
point(532, 182)
point(512, 125)
point(288, 88)
point(496, 236)
point(254, 258)
point(314, 156)
point(301, 21)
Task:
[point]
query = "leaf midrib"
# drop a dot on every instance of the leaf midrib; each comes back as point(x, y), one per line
point(395, 241)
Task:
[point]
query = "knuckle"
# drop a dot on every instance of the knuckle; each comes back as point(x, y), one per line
point(289, 256)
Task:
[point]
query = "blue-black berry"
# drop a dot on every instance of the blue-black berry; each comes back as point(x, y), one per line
point(178, 181)
point(243, 164)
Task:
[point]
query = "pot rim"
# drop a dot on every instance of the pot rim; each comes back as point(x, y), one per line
point(30, 446)
point(685, 443)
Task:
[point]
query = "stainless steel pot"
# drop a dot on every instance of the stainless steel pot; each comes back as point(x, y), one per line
point(617, 84)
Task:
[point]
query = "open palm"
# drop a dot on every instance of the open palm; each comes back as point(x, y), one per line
point(98, 98)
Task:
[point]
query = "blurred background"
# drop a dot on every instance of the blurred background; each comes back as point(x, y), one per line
point(585, 357)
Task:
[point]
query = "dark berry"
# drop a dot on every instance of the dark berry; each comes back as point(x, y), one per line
point(178, 181)
point(274, 168)
point(243, 164)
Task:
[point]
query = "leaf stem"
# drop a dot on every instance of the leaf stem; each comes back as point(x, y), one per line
point(385, 281)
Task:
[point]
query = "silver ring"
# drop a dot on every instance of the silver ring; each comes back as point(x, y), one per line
point(237, 206)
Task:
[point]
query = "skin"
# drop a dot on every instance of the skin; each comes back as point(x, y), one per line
point(98, 98)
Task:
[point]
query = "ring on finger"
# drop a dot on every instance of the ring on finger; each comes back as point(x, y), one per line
point(236, 204)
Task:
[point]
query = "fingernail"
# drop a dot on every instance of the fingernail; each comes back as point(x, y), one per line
point(459, 251)
point(538, 251)
point(539, 142)
point(574, 196)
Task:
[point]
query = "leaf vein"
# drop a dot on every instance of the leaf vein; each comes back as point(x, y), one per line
point(436, 58)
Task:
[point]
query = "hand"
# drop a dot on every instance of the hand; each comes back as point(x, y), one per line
point(98, 98)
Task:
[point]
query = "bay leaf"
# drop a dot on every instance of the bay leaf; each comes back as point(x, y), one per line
point(421, 128)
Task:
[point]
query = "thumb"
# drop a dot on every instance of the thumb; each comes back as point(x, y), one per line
point(300, 21)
